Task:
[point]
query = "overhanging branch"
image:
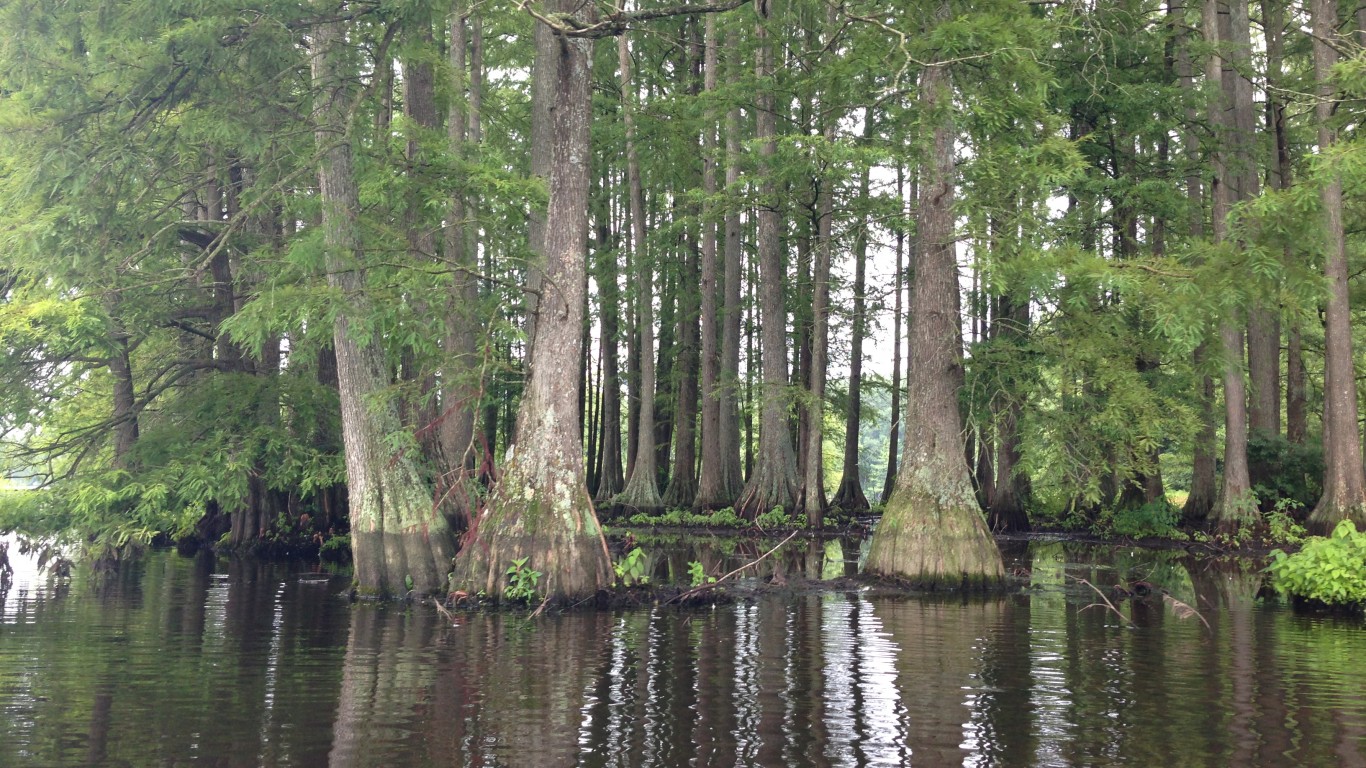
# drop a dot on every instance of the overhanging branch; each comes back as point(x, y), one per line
point(616, 23)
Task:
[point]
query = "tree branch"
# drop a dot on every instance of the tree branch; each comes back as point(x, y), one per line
point(618, 22)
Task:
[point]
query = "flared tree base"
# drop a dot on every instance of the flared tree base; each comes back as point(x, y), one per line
point(391, 564)
point(933, 546)
point(550, 523)
point(1333, 509)
point(768, 489)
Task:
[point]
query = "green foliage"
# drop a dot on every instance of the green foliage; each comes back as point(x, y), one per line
point(1281, 526)
point(697, 575)
point(522, 580)
point(721, 518)
point(336, 548)
point(632, 569)
point(1330, 570)
point(1156, 520)
point(1292, 472)
point(779, 518)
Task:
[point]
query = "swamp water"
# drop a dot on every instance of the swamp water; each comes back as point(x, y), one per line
point(228, 663)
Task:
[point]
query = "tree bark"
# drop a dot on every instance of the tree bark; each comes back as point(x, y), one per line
point(1234, 508)
point(720, 484)
point(611, 480)
point(710, 493)
point(642, 491)
point(773, 482)
point(932, 532)
point(894, 431)
point(1344, 487)
point(849, 497)
point(1010, 489)
point(540, 509)
point(397, 535)
point(812, 494)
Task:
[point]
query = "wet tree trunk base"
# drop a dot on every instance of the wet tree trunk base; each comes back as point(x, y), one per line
point(391, 564)
point(551, 524)
point(933, 546)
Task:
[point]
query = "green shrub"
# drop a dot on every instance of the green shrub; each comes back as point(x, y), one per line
point(1157, 519)
point(1329, 570)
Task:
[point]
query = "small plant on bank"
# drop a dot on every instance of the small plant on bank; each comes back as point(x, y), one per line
point(1281, 527)
point(778, 518)
point(1331, 570)
point(698, 575)
point(521, 582)
point(631, 569)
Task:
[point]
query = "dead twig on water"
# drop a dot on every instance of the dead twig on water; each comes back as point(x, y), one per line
point(741, 569)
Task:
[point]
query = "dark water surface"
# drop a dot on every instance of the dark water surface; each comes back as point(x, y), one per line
point(219, 662)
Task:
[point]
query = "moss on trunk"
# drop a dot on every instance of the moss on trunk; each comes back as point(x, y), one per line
point(934, 539)
point(545, 516)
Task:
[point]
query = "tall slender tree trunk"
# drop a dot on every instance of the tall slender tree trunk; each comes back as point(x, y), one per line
point(611, 479)
point(397, 536)
point(812, 496)
point(1344, 487)
point(1203, 488)
point(932, 532)
point(773, 482)
point(849, 496)
point(682, 486)
point(730, 480)
point(711, 490)
point(459, 384)
point(1006, 510)
point(540, 509)
point(642, 490)
point(894, 431)
point(125, 414)
point(1234, 507)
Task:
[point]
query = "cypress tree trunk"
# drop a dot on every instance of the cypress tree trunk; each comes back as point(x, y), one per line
point(397, 536)
point(1233, 509)
point(721, 485)
point(932, 532)
point(641, 492)
point(1010, 489)
point(812, 496)
point(459, 387)
point(611, 481)
point(1344, 487)
point(849, 497)
point(711, 493)
point(540, 509)
point(773, 481)
point(1263, 324)
point(1203, 487)
point(894, 432)
point(682, 487)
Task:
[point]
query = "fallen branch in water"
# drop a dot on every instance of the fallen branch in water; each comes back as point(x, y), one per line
point(1106, 604)
point(718, 582)
point(1183, 611)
